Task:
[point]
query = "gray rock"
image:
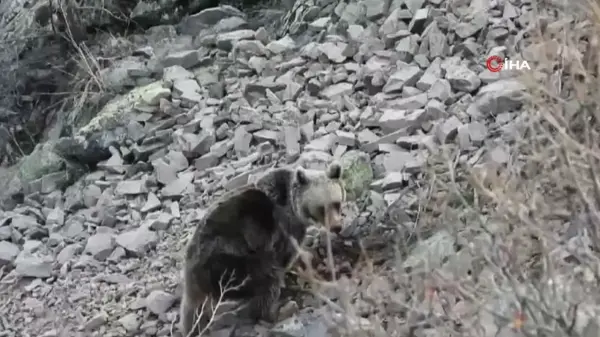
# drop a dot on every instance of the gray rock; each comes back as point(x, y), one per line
point(68, 253)
point(334, 52)
point(407, 47)
point(186, 59)
point(416, 142)
point(91, 195)
point(478, 132)
point(304, 324)
point(266, 136)
point(431, 252)
point(130, 322)
point(100, 245)
point(440, 90)
point(185, 88)
point(226, 41)
point(498, 97)
point(409, 103)
point(43, 162)
point(282, 45)
point(291, 327)
point(393, 119)
point(178, 187)
point(24, 222)
point(390, 181)
point(230, 24)
point(8, 252)
point(206, 161)
point(29, 265)
point(96, 322)
point(251, 47)
point(462, 78)
point(160, 221)
point(241, 141)
point(324, 144)
point(194, 24)
point(131, 187)
point(446, 131)
point(498, 155)
point(466, 29)
point(345, 138)
point(158, 301)
point(408, 76)
point(338, 89)
point(137, 241)
point(152, 203)
point(176, 72)
point(291, 137)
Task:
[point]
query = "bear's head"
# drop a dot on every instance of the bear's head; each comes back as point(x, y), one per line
point(318, 196)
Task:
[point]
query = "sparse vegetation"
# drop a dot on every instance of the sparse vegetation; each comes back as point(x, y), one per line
point(213, 309)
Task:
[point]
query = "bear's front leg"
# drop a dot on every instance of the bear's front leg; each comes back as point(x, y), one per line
point(263, 305)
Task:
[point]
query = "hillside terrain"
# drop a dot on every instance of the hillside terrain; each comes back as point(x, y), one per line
point(473, 193)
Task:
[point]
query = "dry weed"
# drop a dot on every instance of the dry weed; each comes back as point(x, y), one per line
point(213, 309)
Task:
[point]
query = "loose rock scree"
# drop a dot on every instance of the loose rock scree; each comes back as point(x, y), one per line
point(248, 238)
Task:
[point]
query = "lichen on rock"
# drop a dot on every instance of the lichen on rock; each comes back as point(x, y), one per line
point(115, 112)
point(40, 162)
point(357, 173)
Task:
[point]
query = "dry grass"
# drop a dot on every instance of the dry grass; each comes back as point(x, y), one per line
point(214, 309)
point(86, 80)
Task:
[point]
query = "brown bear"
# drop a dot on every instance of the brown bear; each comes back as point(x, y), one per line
point(248, 236)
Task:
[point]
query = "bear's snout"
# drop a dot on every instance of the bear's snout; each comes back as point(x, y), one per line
point(334, 221)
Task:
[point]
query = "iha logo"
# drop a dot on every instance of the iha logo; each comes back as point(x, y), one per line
point(496, 63)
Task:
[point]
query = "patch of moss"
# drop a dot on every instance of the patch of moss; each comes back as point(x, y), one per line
point(357, 173)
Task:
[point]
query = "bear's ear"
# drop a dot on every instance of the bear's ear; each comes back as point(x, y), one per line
point(301, 176)
point(334, 171)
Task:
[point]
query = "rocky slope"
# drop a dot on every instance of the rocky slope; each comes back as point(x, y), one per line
point(382, 86)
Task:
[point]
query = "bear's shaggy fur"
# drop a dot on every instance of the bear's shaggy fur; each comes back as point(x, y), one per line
point(249, 234)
